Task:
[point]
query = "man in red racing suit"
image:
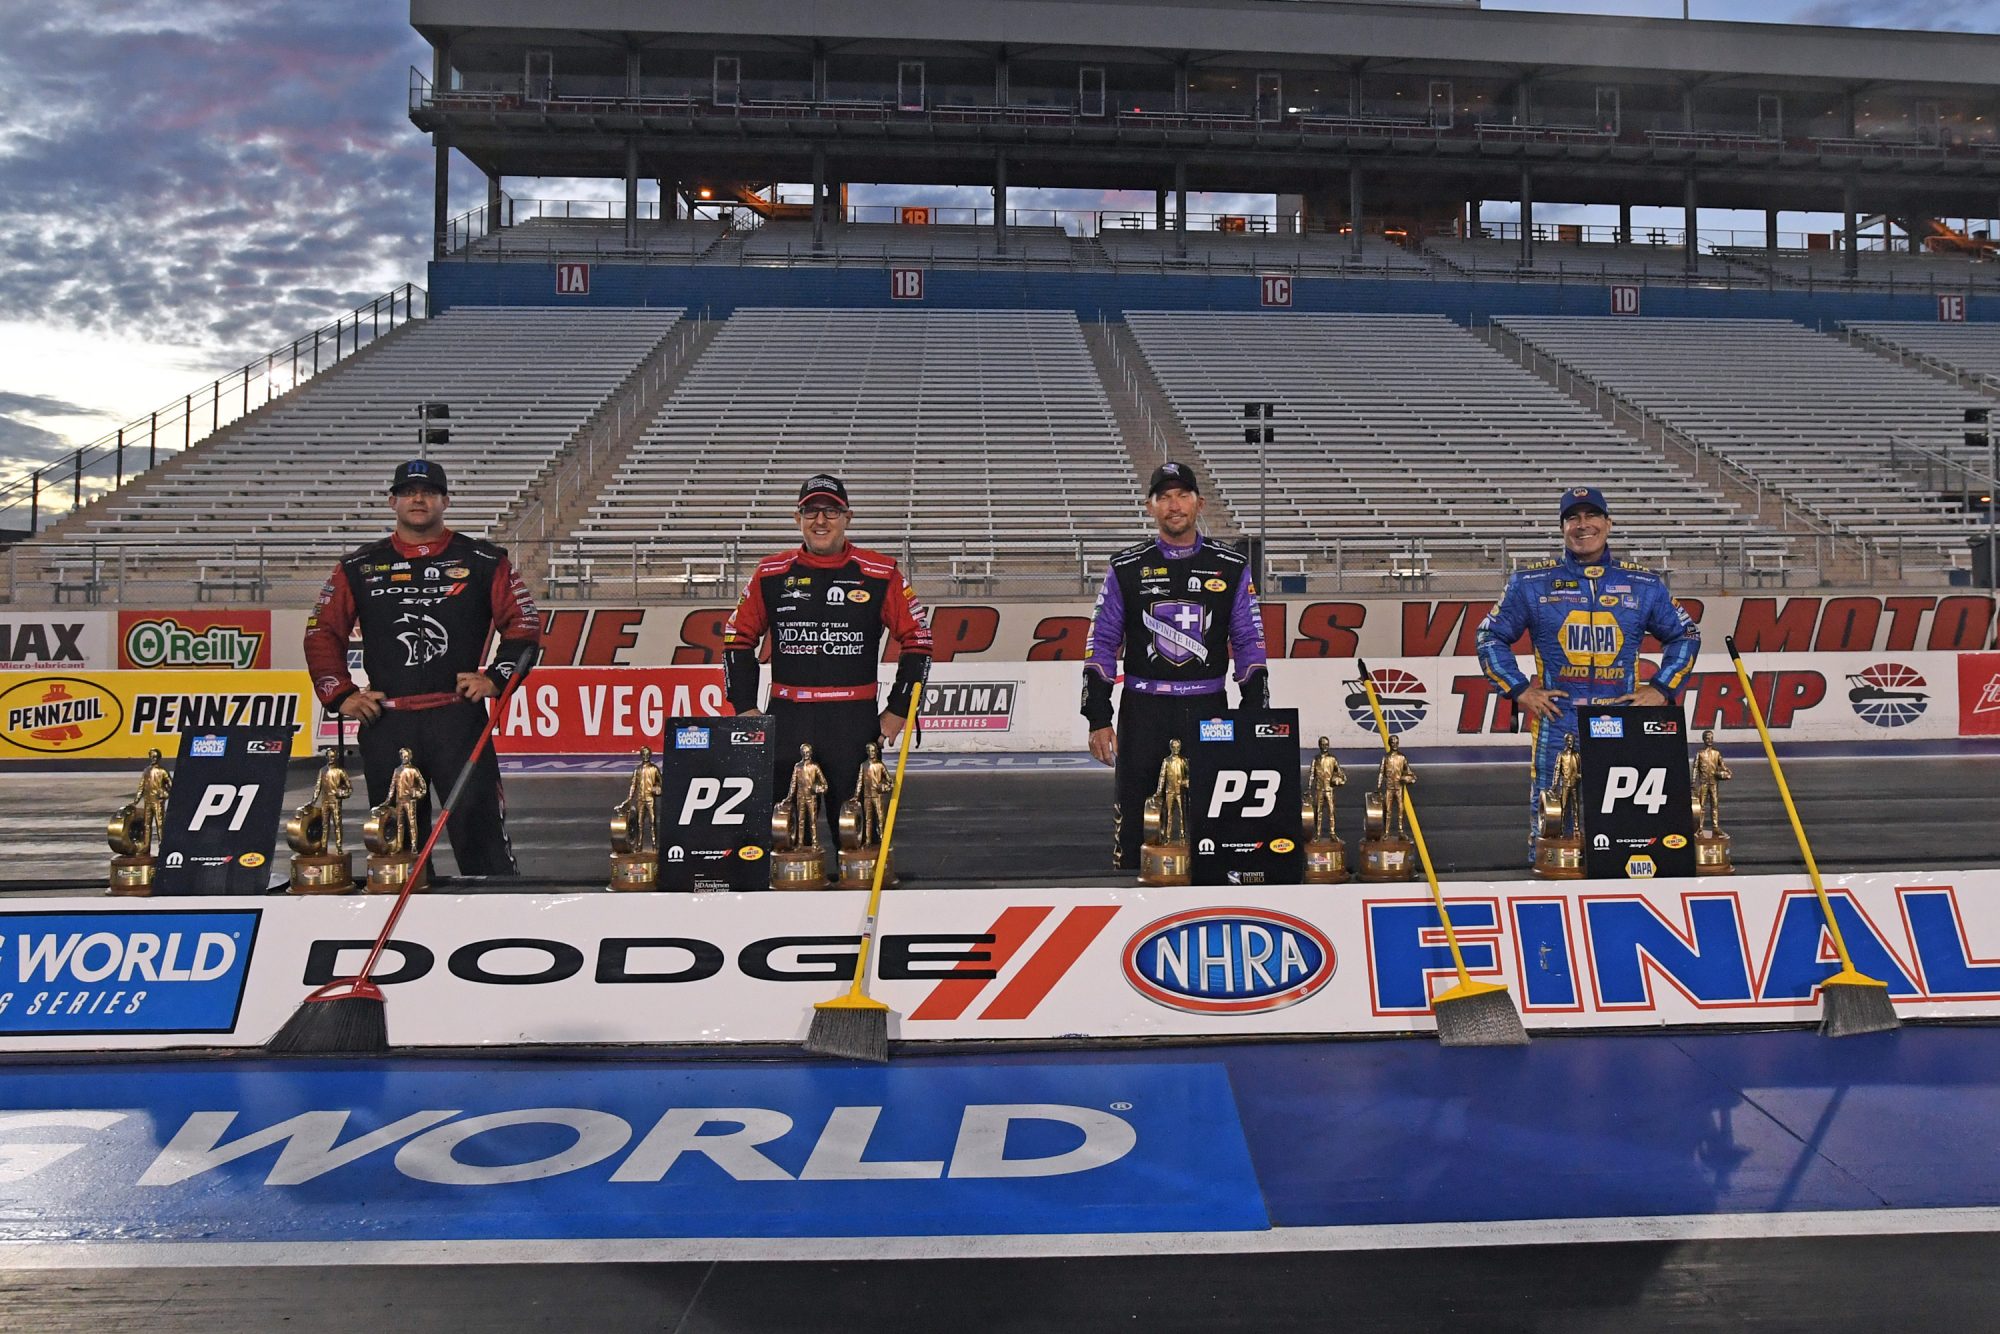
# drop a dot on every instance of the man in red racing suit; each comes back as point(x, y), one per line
point(427, 599)
point(825, 606)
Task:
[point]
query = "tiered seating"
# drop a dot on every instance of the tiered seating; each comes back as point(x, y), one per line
point(1800, 412)
point(860, 241)
point(966, 438)
point(310, 478)
point(1249, 252)
point(1402, 436)
point(595, 236)
point(1965, 349)
point(1568, 259)
point(1817, 268)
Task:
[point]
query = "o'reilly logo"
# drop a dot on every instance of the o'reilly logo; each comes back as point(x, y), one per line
point(162, 971)
point(165, 642)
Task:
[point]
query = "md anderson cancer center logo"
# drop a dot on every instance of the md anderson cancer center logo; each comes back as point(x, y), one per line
point(57, 715)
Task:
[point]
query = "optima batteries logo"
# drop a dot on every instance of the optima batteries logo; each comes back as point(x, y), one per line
point(163, 971)
point(59, 714)
point(1228, 961)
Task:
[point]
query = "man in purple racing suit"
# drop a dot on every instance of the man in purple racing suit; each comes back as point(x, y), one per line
point(1177, 609)
point(1585, 616)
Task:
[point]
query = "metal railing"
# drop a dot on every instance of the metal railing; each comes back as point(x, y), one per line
point(34, 499)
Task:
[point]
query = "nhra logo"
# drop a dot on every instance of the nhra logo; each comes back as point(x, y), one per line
point(1607, 727)
point(1228, 961)
point(59, 714)
point(1888, 694)
point(1400, 694)
point(1218, 729)
point(690, 738)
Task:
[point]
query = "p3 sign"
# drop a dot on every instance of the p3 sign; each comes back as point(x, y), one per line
point(715, 804)
point(1243, 799)
point(222, 815)
point(1638, 817)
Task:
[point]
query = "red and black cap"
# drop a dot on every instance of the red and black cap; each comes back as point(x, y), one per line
point(1172, 476)
point(420, 472)
point(823, 486)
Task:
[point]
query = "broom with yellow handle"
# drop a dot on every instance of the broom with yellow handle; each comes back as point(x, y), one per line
point(1471, 1014)
point(1851, 1002)
point(856, 1025)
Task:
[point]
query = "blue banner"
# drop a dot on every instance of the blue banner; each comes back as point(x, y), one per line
point(156, 971)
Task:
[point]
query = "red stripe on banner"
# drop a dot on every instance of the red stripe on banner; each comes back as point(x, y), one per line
point(949, 999)
point(1018, 999)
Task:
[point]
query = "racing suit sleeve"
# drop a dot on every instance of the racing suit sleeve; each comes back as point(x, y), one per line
point(517, 623)
point(327, 628)
point(1494, 643)
point(1107, 637)
point(740, 636)
point(1246, 647)
point(903, 616)
point(1680, 641)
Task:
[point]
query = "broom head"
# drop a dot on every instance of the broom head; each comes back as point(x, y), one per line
point(854, 1027)
point(1851, 1003)
point(344, 1017)
point(1478, 1014)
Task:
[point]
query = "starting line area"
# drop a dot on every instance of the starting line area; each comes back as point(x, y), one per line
point(1232, 1147)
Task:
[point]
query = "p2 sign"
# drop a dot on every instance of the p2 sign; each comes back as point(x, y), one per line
point(715, 804)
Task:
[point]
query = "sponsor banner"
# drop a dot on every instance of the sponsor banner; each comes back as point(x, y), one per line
point(1040, 964)
point(122, 715)
point(195, 640)
point(42, 641)
point(605, 710)
point(1979, 694)
point(118, 972)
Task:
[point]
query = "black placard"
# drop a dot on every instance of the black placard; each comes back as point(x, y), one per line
point(715, 804)
point(222, 817)
point(1637, 819)
point(1243, 799)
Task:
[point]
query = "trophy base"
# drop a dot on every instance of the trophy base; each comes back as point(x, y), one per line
point(387, 874)
point(132, 877)
point(1326, 862)
point(1385, 859)
point(1559, 859)
point(1711, 855)
point(802, 868)
point(857, 868)
point(635, 871)
point(323, 873)
point(1164, 864)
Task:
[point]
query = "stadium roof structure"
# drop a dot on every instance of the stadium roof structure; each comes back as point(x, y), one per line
point(1435, 104)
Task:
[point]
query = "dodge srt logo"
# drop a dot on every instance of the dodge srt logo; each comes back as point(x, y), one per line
point(422, 638)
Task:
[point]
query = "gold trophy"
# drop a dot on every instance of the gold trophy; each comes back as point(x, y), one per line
point(1711, 845)
point(391, 830)
point(1163, 857)
point(1326, 855)
point(1386, 850)
point(134, 833)
point(635, 829)
point(321, 863)
point(1559, 815)
point(798, 862)
point(861, 819)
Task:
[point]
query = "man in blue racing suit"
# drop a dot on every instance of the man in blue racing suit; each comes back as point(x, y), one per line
point(1585, 616)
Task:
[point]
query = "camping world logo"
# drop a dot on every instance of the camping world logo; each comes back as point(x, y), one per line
point(1402, 696)
point(1888, 694)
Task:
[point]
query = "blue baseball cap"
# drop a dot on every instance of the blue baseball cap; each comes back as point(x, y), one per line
point(1576, 497)
point(419, 472)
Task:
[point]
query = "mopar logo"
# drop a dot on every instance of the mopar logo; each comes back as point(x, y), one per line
point(162, 971)
point(1607, 727)
point(1218, 729)
point(1228, 961)
point(690, 738)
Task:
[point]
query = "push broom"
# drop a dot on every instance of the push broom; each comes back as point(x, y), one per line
point(1471, 1014)
point(348, 1014)
point(856, 1025)
point(1851, 1003)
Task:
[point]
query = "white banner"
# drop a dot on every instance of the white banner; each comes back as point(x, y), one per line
point(1023, 964)
point(60, 640)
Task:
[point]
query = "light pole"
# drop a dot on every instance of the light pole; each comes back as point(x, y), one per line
point(1258, 431)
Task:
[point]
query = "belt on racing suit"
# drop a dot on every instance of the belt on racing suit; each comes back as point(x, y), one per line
point(435, 699)
point(1146, 685)
point(822, 694)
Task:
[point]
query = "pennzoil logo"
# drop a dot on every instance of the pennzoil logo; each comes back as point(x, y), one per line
point(750, 852)
point(58, 715)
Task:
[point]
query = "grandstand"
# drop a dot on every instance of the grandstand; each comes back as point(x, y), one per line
point(968, 439)
point(1404, 444)
point(1796, 412)
point(1873, 269)
point(860, 242)
point(1964, 351)
point(546, 238)
point(1266, 252)
point(1584, 261)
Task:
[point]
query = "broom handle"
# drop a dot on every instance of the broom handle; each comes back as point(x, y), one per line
point(1785, 791)
point(888, 832)
point(443, 815)
point(1417, 831)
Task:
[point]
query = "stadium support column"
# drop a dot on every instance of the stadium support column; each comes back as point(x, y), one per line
point(1625, 223)
point(1770, 234)
point(1180, 210)
point(819, 198)
point(440, 196)
point(1000, 204)
point(1159, 210)
point(1690, 213)
point(1354, 211)
point(1850, 226)
point(1527, 216)
point(493, 193)
point(631, 194)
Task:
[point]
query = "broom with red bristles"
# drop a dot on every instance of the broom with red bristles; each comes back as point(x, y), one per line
point(349, 1014)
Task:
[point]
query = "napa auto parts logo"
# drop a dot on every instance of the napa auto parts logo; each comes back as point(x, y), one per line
point(1228, 960)
point(194, 640)
point(58, 715)
point(970, 706)
point(160, 971)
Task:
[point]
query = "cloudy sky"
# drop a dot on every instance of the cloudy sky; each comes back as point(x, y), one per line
point(186, 184)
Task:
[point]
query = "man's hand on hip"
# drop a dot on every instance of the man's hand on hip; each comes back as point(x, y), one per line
point(476, 685)
point(1537, 702)
point(1648, 696)
point(363, 705)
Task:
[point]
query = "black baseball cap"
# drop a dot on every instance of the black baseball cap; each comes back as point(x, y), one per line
point(1170, 475)
point(420, 472)
point(823, 486)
